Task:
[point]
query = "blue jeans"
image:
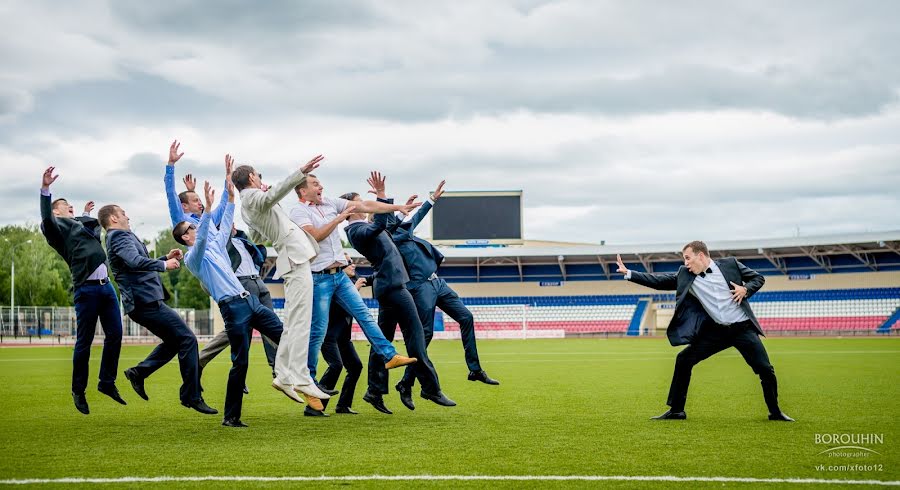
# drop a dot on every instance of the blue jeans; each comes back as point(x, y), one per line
point(341, 288)
point(92, 302)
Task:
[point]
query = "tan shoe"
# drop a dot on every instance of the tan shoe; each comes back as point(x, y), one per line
point(313, 402)
point(398, 361)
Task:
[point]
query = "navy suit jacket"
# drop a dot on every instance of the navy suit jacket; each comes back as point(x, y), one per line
point(371, 240)
point(689, 313)
point(136, 273)
point(421, 258)
point(257, 252)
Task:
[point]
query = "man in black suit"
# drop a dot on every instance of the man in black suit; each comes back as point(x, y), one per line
point(143, 298)
point(429, 291)
point(711, 315)
point(77, 241)
point(396, 305)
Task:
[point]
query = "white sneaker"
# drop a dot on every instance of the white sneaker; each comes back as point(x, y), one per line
point(288, 390)
point(312, 390)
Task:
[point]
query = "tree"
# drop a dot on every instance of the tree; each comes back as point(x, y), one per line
point(185, 289)
point(42, 276)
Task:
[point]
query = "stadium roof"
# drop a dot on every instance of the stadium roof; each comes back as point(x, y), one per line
point(555, 261)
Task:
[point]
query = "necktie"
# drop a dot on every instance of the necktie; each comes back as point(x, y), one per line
point(708, 271)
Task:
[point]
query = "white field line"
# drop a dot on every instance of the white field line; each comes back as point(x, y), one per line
point(366, 478)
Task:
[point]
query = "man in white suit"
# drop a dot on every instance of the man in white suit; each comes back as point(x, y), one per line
point(295, 248)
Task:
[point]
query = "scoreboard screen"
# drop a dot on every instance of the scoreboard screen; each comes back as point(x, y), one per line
point(478, 217)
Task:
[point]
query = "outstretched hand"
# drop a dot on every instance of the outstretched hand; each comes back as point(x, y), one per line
point(88, 207)
point(190, 183)
point(48, 178)
point(412, 199)
point(622, 268)
point(439, 191)
point(174, 156)
point(210, 193)
point(408, 208)
point(312, 164)
point(376, 182)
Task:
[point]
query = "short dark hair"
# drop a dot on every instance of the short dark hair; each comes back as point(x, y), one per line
point(240, 177)
point(105, 213)
point(181, 229)
point(304, 183)
point(183, 196)
point(349, 196)
point(57, 201)
point(697, 247)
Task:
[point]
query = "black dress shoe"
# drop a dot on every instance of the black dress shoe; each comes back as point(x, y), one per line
point(81, 403)
point(670, 415)
point(246, 390)
point(137, 382)
point(780, 416)
point(405, 396)
point(346, 410)
point(376, 401)
point(113, 393)
point(440, 398)
point(327, 391)
point(233, 422)
point(201, 407)
point(483, 377)
point(312, 412)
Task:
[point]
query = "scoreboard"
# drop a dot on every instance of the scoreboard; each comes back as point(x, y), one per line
point(478, 218)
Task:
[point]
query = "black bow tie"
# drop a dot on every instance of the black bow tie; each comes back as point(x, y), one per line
point(708, 271)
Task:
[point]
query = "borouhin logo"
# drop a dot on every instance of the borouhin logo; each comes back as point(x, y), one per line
point(849, 445)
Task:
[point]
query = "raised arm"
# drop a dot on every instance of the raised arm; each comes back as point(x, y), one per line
point(195, 257)
point(277, 192)
point(224, 236)
point(176, 214)
point(48, 221)
point(229, 191)
point(662, 282)
point(426, 207)
point(121, 245)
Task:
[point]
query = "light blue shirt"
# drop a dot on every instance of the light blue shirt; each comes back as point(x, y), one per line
point(208, 258)
point(177, 214)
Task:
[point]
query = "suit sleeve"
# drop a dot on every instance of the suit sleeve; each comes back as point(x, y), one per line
point(662, 282)
point(176, 214)
point(277, 192)
point(753, 280)
point(48, 221)
point(121, 245)
point(420, 214)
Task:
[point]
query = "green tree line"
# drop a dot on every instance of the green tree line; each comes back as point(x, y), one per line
point(43, 278)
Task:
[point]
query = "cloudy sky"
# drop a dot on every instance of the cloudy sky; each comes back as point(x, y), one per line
point(630, 122)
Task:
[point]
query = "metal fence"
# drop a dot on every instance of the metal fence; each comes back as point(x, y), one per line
point(52, 322)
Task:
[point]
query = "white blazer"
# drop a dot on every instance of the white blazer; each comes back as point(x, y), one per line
point(268, 221)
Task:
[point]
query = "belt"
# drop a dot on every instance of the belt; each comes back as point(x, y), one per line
point(330, 270)
point(97, 282)
point(251, 277)
point(236, 297)
point(433, 276)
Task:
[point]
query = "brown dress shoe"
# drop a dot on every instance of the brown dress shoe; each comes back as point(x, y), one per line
point(398, 361)
point(313, 402)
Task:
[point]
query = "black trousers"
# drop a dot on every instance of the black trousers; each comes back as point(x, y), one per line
point(258, 288)
point(177, 339)
point(398, 306)
point(714, 338)
point(93, 302)
point(339, 353)
point(241, 316)
point(436, 293)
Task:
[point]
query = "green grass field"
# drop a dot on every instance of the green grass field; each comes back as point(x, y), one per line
point(565, 407)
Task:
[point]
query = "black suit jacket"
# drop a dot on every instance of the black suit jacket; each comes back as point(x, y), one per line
point(421, 258)
point(689, 313)
point(257, 252)
point(77, 240)
point(371, 240)
point(136, 273)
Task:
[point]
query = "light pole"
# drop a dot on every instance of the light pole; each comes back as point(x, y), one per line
point(12, 285)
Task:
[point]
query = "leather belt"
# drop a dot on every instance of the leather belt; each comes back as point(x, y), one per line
point(433, 276)
point(251, 277)
point(330, 270)
point(236, 297)
point(97, 282)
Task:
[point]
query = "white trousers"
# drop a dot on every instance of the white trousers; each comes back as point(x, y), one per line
point(291, 361)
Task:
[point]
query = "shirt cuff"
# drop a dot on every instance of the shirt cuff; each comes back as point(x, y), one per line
point(628, 275)
point(431, 200)
point(44, 192)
